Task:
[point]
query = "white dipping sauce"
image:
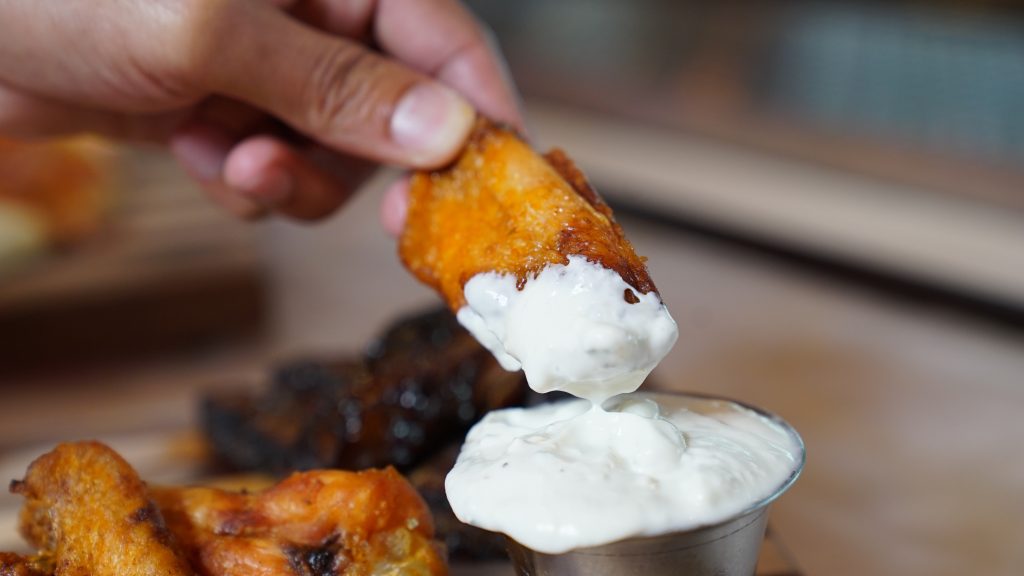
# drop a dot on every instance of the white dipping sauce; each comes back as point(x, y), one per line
point(573, 474)
point(570, 328)
point(568, 475)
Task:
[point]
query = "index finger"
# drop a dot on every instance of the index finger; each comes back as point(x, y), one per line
point(440, 38)
point(443, 39)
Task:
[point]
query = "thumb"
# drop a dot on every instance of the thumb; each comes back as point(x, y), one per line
point(335, 90)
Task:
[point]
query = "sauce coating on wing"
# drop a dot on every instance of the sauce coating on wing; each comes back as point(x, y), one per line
point(89, 511)
point(504, 208)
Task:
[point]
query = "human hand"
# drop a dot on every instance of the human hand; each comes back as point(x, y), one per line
point(272, 105)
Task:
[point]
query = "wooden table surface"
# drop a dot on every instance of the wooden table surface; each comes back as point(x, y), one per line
point(911, 415)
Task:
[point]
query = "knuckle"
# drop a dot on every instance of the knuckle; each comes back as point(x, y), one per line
point(340, 90)
point(192, 30)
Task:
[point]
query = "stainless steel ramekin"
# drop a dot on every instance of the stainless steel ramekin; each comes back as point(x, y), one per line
point(727, 548)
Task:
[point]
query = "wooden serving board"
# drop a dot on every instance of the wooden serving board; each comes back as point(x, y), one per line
point(178, 457)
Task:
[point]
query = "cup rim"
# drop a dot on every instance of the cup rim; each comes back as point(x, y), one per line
point(781, 489)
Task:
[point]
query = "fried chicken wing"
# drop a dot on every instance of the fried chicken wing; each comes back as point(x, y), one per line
point(91, 515)
point(319, 523)
point(87, 509)
point(17, 565)
point(504, 208)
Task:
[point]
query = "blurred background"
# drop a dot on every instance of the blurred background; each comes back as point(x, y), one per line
point(831, 195)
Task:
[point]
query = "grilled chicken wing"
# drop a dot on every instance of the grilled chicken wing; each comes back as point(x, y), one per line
point(504, 208)
point(420, 385)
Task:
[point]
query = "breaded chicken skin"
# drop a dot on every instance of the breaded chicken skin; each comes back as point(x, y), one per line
point(87, 509)
point(17, 565)
point(90, 515)
point(315, 523)
point(503, 208)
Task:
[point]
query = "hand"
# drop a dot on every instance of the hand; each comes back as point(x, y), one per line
point(273, 105)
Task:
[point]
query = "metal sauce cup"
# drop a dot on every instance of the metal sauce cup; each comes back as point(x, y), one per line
point(727, 548)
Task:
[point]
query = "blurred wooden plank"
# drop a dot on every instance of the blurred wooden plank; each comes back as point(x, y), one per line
point(170, 270)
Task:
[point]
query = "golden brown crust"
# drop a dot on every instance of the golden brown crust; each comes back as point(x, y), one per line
point(89, 511)
point(504, 208)
point(316, 523)
point(92, 516)
point(18, 565)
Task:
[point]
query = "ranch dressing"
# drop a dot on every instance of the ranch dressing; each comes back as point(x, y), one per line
point(570, 328)
point(613, 465)
point(567, 475)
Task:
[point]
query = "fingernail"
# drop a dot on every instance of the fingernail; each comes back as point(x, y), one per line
point(431, 122)
point(203, 158)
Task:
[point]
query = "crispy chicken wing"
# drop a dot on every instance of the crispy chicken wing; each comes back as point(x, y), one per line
point(315, 523)
point(18, 565)
point(504, 208)
point(91, 515)
point(87, 509)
